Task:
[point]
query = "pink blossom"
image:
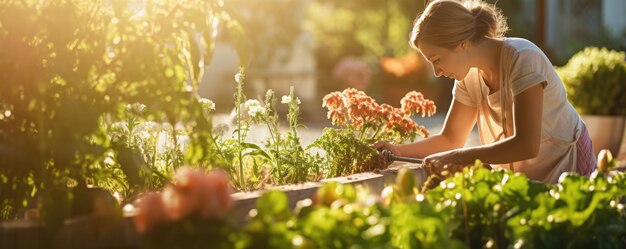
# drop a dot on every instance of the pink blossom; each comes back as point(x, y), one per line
point(353, 72)
point(191, 192)
point(215, 195)
point(151, 212)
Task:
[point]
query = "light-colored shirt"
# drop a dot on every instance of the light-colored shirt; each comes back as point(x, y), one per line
point(523, 65)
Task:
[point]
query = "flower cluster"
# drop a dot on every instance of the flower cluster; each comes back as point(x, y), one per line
point(258, 111)
point(287, 99)
point(136, 107)
point(207, 104)
point(192, 193)
point(414, 103)
point(255, 108)
point(354, 109)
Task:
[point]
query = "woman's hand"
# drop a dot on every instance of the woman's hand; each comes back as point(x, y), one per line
point(382, 145)
point(445, 157)
point(450, 161)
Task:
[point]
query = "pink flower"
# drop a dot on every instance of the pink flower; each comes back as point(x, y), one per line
point(179, 202)
point(191, 192)
point(353, 72)
point(151, 212)
point(181, 197)
point(215, 197)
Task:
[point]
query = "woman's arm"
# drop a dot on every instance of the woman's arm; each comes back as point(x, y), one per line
point(523, 145)
point(459, 123)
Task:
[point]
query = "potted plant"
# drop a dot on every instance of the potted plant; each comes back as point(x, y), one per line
point(595, 80)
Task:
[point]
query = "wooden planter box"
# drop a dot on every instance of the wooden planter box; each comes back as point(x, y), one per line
point(83, 233)
point(22, 234)
point(373, 182)
point(246, 201)
point(391, 172)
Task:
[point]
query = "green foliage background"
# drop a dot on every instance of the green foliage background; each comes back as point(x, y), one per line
point(69, 69)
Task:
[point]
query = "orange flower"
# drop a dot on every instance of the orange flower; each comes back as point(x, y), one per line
point(376, 112)
point(333, 100)
point(358, 110)
point(358, 122)
point(423, 130)
point(338, 117)
point(401, 66)
point(407, 125)
point(414, 102)
point(353, 108)
point(350, 93)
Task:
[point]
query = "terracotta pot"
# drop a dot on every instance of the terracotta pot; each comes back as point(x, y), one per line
point(605, 131)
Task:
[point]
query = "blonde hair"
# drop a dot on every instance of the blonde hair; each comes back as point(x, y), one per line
point(447, 23)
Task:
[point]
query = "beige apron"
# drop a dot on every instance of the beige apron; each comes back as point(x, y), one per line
point(555, 155)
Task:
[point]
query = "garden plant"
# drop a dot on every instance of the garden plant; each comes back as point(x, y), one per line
point(102, 96)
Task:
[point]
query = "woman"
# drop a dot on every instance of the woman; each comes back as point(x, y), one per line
point(507, 86)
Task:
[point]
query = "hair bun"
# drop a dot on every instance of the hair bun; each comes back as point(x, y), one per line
point(447, 23)
point(476, 11)
point(488, 20)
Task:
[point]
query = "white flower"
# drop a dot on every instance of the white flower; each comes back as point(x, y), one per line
point(239, 78)
point(136, 107)
point(287, 99)
point(149, 127)
point(251, 103)
point(119, 126)
point(108, 161)
point(144, 135)
point(255, 111)
point(254, 108)
point(207, 103)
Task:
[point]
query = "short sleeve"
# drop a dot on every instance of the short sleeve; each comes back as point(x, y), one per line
point(529, 69)
point(461, 93)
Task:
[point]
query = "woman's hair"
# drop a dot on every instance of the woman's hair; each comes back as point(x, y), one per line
point(447, 23)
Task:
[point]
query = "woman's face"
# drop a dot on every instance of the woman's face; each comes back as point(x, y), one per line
point(451, 63)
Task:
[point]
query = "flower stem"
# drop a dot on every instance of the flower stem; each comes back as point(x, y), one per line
point(240, 79)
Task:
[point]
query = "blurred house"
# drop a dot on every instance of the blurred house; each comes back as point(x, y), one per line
point(574, 24)
point(281, 54)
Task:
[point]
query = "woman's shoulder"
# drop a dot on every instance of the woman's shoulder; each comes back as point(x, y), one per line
point(520, 45)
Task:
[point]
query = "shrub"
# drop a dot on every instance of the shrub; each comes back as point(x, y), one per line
point(595, 80)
